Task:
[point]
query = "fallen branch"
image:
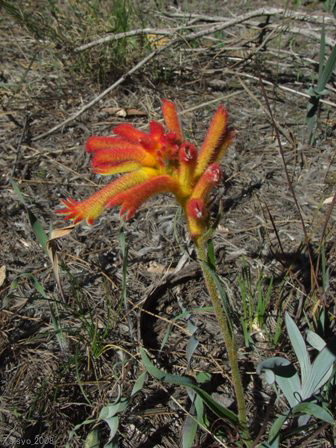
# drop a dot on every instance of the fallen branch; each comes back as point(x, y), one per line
point(220, 83)
point(295, 15)
point(173, 42)
point(104, 93)
point(139, 32)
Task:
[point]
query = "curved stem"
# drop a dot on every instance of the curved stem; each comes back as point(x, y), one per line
point(230, 343)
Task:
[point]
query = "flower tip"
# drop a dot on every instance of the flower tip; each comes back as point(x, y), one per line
point(156, 129)
point(166, 102)
point(171, 118)
point(188, 153)
point(222, 110)
point(196, 209)
point(68, 204)
point(214, 173)
point(91, 145)
point(197, 216)
point(127, 213)
point(90, 221)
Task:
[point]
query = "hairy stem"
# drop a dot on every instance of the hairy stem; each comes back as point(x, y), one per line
point(230, 343)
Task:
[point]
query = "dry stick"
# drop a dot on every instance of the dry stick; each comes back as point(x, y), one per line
point(103, 40)
point(269, 83)
point(289, 182)
point(138, 32)
point(295, 30)
point(167, 32)
point(207, 103)
point(280, 128)
point(105, 92)
point(188, 37)
point(311, 437)
point(258, 12)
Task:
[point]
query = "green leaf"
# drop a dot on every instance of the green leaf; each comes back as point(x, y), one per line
point(327, 70)
point(203, 377)
point(286, 377)
point(72, 433)
point(39, 287)
point(274, 444)
point(138, 385)
point(191, 348)
point(113, 424)
point(315, 411)
point(111, 410)
point(18, 192)
point(189, 432)
point(216, 407)
point(299, 347)
point(276, 427)
point(164, 376)
point(322, 51)
point(200, 412)
point(315, 340)
point(212, 404)
point(40, 234)
point(92, 440)
point(211, 254)
point(321, 370)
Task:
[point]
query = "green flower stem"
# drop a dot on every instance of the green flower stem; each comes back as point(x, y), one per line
point(230, 343)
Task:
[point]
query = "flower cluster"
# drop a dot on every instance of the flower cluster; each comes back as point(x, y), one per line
point(159, 161)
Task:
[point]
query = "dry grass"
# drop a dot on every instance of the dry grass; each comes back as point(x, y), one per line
point(46, 390)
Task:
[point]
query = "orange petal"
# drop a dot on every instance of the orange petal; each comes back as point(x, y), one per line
point(207, 181)
point(172, 119)
point(212, 140)
point(133, 198)
point(156, 130)
point(127, 152)
point(130, 133)
point(197, 217)
point(96, 143)
point(187, 159)
point(228, 140)
point(108, 168)
point(91, 208)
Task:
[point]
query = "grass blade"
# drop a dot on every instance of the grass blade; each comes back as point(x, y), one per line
point(315, 411)
point(299, 347)
point(212, 404)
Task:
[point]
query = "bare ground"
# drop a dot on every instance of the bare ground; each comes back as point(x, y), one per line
point(55, 373)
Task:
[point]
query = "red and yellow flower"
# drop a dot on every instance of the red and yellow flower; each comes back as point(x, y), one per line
point(158, 161)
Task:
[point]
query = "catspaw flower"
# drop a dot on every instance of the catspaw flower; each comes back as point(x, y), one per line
point(158, 161)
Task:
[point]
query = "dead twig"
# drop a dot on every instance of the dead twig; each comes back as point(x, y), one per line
point(295, 15)
point(303, 32)
point(188, 37)
point(167, 32)
point(139, 32)
point(290, 184)
point(269, 83)
point(173, 42)
point(104, 93)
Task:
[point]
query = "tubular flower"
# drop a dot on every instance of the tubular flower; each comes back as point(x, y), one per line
point(158, 161)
